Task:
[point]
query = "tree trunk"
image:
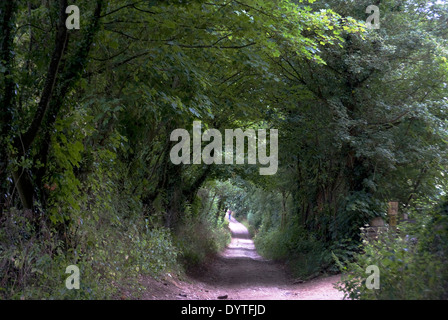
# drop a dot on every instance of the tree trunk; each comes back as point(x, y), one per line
point(58, 83)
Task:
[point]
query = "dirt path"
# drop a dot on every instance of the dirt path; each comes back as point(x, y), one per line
point(240, 273)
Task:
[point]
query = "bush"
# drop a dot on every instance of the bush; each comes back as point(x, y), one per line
point(27, 265)
point(301, 250)
point(252, 230)
point(33, 264)
point(199, 236)
point(411, 263)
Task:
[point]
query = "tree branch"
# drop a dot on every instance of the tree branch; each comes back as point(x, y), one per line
point(213, 46)
point(61, 40)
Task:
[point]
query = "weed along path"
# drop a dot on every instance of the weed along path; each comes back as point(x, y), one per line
point(240, 273)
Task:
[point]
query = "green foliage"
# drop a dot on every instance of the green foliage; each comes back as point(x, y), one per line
point(110, 258)
point(304, 254)
point(86, 116)
point(411, 262)
point(360, 208)
point(199, 236)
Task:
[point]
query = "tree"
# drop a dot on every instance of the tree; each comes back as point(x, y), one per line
point(360, 124)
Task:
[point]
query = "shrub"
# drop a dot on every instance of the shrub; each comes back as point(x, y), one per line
point(33, 264)
point(199, 236)
point(301, 250)
point(411, 264)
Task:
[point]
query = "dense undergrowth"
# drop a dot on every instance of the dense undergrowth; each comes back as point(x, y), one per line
point(200, 236)
point(411, 260)
point(301, 251)
point(304, 252)
point(110, 253)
